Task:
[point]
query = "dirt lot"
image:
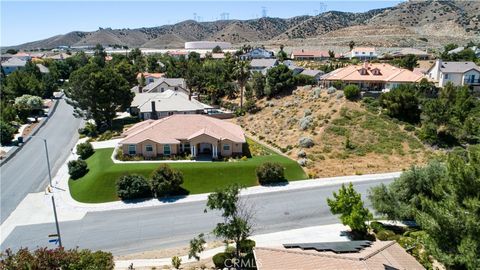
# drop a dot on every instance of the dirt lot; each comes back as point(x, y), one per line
point(348, 139)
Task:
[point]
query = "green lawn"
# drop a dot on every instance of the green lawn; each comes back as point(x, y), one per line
point(98, 185)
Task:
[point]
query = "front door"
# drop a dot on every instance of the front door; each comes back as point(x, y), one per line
point(205, 148)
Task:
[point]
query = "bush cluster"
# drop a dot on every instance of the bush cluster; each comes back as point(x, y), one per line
point(305, 142)
point(269, 173)
point(165, 181)
point(58, 258)
point(77, 168)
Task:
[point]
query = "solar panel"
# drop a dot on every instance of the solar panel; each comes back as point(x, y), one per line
point(337, 247)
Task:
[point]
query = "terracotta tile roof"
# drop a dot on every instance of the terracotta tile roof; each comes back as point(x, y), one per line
point(380, 255)
point(373, 72)
point(178, 127)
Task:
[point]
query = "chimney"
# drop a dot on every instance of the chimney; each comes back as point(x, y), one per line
point(189, 95)
point(154, 111)
point(140, 89)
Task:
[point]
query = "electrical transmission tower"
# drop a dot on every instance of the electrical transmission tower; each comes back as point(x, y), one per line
point(224, 16)
point(264, 12)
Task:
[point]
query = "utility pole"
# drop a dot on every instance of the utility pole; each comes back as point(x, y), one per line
point(48, 162)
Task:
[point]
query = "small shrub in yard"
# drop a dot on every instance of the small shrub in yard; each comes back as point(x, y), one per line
point(351, 92)
point(133, 186)
point(220, 258)
point(85, 150)
point(305, 142)
point(77, 168)
point(385, 235)
point(166, 181)
point(270, 172)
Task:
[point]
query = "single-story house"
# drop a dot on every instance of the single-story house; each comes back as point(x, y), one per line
point(316, 74)
point(13, 64)
point(371, 76)
point(257, 53)
point(182, 134)
point(262, 65)
point(421, 55)
point(335, 255)
point(149, 77)
point(156, 105)
point(363, 53)
point(162, 84)
point(311, 55)
point(459, 73)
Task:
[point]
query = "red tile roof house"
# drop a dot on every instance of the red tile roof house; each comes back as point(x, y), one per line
point(371, 77)
point(380, 255)
point(182, 135)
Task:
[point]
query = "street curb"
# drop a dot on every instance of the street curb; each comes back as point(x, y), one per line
point(35, 131)
point(68, 201)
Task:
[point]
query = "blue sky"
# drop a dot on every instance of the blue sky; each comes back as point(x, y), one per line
point(24, 21)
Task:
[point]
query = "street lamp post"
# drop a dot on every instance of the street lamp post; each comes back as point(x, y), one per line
point(51, 186)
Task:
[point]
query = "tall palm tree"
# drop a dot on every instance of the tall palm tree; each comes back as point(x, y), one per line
point(242, 72)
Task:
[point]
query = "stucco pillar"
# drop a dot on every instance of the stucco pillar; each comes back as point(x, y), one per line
point(214, 151)
point(192, 150)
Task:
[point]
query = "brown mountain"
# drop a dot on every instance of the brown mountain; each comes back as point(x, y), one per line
point(414, 18)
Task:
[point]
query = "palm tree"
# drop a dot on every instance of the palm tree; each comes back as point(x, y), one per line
point(242, 72)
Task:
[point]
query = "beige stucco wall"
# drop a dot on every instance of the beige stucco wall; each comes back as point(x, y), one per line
point(157, 149)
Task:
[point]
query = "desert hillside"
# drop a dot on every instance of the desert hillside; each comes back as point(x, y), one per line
point(347, 138)
point(429, 23)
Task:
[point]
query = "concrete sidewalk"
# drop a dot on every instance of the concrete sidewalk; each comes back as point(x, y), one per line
point(325, 233)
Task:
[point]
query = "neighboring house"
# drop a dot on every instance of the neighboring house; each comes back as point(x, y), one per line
point(421, 55)
point(59, 57)
point(294, 68)
point(316, 74)
point(459, 73)
point(371, 76)
point(336, 255)
point(310, 55)
point(43, 69)
point(363, 53)
point(475, 49)
point(6, 56)
point(163, 84)
point(262, 65)
point(184, 134)
point(149, 77)
point(13, 64)
point(23, 56)
point(178, 54)
point(257, 53)
point(157, 105)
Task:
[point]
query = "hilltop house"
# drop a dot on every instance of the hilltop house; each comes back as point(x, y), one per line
point(363, 53)
point(184, 134)
point(162, 84)
point(156, 105)
point(257, 53)
point(371, 77)
point(459, 73)
point(262, 65)
point(421, 55)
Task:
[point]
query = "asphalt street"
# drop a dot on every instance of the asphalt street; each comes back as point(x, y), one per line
point(135, 230)
point(27, 171)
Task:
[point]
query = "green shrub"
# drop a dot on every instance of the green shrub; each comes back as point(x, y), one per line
point(352, 92)
point(166, 181)
point(220, 258)
point(58, 258)
point(133, 187)
point(77, 168)
point(89, 130)
point(269, 173)
point(376, 226)
point(7, 132)
point(246, 246)
point(85, 150)
point(385, 235)
point(409, 127)
point(176, 262)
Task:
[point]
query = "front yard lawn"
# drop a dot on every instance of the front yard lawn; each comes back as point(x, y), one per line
point(99, 184)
